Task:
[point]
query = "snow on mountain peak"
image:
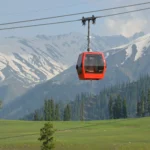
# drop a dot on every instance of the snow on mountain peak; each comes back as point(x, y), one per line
point(141, 43)
point(29, 60)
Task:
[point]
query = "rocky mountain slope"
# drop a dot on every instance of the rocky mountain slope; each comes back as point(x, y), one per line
point(125, 63)
point(25, 62)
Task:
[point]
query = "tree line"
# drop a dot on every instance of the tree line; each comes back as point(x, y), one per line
point(52, 112)
point(117, 108)
point(143, 105)
point(129, 99)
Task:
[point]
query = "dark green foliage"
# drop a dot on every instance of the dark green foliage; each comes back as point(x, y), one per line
point(49, 110)
point(36, 115)
point(124, 109)
point(138, 109)
point(67, 113)
point(115, 110)
point(0, 104)
point(46, 110)
point(52, 109)
point(142, 105)
point(118, 107)
point(148, 102)
point(145, 106)
point(49, 116)
point(123, 104)
point(46, 136)
point(57, 113)
point(82, 111)
point(76, 108)
point(110, 108)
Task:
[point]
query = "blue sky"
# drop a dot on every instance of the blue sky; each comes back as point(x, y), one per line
point(29, 9)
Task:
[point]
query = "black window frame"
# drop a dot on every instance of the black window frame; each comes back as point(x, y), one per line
point(79, 64)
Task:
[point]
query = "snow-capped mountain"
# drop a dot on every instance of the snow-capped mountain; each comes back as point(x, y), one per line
point(124, 63)
point(131, 59)
point(141, 45)
point(24, 62)
point(41, 58)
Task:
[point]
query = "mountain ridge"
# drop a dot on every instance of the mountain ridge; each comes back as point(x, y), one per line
point(66, 85)
point(26, 62)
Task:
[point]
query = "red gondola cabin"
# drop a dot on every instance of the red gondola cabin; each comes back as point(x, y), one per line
point(91, 66)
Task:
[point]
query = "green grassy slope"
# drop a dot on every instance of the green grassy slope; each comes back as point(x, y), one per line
point(130, 134)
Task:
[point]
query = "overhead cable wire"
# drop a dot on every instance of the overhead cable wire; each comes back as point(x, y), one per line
point(74, 14)
point(121, 13)
point(69, 21)
point(44, 24)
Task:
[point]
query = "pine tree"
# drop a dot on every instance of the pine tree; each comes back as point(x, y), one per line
point(46, 135)
point(148, 101)
point(57, 112)
point(139, 110)
point(75, 108)
point(110, 108)
point(46, 114)
point(0, 104)
point(52, 110)
point(49, 116)
point(115, 109)
point(118, 107)
point(124, 109)
point(145, 106)
point(67, 113)
point(82, 111)
point(142, 105)
point(36, 115)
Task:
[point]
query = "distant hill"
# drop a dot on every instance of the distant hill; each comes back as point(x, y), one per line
point(125, 63)
point(95, 106)
point(26, 62)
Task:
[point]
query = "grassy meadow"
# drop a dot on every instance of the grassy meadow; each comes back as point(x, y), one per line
point(128, 134)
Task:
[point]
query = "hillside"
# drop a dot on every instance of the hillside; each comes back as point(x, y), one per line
point(96, 107)
point(66, 85)
point(26, 62)
point(111, 134)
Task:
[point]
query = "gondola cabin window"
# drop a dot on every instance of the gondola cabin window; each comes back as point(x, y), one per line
point(93, 64)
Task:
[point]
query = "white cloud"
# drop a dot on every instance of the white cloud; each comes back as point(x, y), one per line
point(126, 27)
point(128, 24)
